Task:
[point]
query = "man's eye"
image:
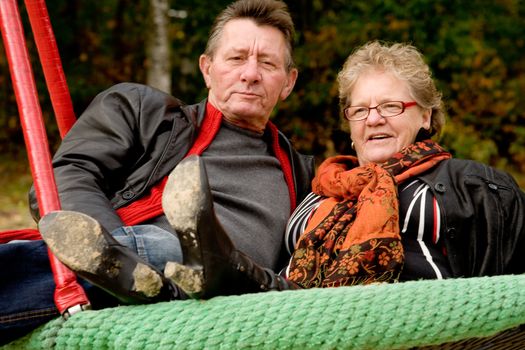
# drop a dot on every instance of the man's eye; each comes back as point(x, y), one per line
point(235, 58)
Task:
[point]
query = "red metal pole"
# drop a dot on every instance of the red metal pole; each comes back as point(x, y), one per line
point(51, 64)
point(69, 294)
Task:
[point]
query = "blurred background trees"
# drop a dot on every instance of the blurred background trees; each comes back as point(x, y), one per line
point(475, 48)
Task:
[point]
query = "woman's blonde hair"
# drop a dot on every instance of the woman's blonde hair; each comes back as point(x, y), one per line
point(406, 63)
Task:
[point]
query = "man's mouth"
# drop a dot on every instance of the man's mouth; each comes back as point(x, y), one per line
point(247, 93)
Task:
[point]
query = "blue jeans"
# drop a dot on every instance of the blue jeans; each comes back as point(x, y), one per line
point(153, 244)
point(27, 286)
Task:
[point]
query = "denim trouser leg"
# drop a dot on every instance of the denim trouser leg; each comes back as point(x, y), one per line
point(27, 285)
point(153, 244)
point(26, 288)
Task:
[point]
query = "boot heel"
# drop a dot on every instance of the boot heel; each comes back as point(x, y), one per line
point(191, 281)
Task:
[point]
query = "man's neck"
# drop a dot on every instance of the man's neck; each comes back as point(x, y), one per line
point(241, 123)
point(257, 125)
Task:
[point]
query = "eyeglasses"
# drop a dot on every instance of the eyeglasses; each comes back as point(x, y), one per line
point(385, 109)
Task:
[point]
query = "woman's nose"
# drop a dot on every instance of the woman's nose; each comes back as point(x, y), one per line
point(374, 117)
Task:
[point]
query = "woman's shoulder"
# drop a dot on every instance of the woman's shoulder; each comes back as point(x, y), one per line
point(458, 172)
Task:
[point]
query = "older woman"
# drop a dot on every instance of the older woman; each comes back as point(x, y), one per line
point(403, 209)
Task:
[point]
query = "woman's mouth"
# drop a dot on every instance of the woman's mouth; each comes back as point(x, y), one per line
point(378, 137)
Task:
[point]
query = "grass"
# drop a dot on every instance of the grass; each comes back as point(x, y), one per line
point(15, 181)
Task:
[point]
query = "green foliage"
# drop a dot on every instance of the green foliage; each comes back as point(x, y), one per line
point(475, 49)
point(15, 179)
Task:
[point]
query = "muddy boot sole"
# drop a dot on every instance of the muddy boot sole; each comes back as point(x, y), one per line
point(83, 245)
point(182, 201)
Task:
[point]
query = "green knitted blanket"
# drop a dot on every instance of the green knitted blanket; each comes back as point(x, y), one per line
point(382, 316)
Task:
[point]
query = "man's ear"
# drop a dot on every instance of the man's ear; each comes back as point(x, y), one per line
point(204, 65)
point(290, 83)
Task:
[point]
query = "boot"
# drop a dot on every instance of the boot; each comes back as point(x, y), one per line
point(83, 245)
point(212, 265)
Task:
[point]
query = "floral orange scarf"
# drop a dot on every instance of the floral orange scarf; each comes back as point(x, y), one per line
point(353, 237)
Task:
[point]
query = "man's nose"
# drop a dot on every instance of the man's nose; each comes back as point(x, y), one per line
point(251, 71)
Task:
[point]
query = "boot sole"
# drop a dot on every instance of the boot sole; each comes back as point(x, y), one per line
point(77, 240)
point(182, 201)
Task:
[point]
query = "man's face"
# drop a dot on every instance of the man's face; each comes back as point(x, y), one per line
point(247, 75)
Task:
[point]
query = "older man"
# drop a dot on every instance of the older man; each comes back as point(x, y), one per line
point(112, 167)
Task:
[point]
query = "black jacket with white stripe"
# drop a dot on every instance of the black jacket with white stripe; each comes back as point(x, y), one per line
point(483, 218)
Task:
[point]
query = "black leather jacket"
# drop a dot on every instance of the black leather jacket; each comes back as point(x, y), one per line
point(128, 139)
point(483, 218)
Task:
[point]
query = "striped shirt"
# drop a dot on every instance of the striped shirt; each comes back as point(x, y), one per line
point(420, 226)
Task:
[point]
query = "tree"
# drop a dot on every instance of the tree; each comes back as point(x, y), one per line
point(158, 68)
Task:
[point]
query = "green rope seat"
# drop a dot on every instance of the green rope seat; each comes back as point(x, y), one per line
point(383, 316)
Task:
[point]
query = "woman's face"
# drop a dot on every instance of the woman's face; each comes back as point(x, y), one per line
point(377, 138)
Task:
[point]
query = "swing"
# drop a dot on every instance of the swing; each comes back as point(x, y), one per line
point(462, 313)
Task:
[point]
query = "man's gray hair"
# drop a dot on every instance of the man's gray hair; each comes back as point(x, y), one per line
point(273, 13)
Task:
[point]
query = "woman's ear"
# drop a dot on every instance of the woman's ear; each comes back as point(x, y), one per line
point(427, 119)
